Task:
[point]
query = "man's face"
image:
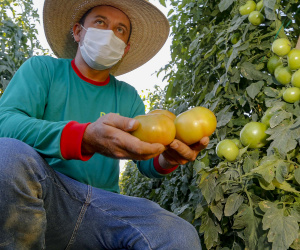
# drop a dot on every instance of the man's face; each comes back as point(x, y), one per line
point(109, 18)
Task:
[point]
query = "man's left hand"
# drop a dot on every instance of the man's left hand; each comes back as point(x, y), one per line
point(178, 153)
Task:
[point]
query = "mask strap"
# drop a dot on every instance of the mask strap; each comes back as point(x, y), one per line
point(83, 27)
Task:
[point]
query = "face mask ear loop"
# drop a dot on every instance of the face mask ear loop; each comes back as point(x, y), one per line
point(83, 27)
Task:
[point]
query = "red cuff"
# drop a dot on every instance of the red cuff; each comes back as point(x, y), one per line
point(70, 141)
point(161, 170)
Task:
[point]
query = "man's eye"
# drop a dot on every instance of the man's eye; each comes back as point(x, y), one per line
point(120, 30)
point(100, 22)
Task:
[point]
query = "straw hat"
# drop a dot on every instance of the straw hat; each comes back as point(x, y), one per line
point(150, 29)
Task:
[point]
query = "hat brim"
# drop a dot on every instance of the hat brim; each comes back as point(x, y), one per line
point(150, 29)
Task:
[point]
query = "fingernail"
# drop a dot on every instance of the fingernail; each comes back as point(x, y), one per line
point(131, 124)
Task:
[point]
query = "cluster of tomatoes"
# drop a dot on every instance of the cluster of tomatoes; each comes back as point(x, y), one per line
point(285, 66)
point(162, 126)
point(254, 11)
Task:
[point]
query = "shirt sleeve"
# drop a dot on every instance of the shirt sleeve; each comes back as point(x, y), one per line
point(22, 107)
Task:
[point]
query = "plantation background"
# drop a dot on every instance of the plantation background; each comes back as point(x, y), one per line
point(252, 202)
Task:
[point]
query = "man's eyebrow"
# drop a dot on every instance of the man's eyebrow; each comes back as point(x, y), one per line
point(105, 18)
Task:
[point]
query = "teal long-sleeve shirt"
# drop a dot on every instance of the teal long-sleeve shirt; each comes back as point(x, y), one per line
point(45, 95)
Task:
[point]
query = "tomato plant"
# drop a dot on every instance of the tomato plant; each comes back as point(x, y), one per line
point(253, 201)
point(281, 46)
point(247, 8)
point(253, 135)
point(227, 149)
point(283, 75)
point(194, 124)
point(294, 59)
point(256, 18)
point(291, 95)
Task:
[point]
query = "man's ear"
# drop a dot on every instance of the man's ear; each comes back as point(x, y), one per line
point(126, 49)
point(77, 32)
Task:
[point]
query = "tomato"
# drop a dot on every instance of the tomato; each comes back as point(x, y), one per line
point(291, 95)
point(237, 142)
point(163, 112)
point(194, 124)
point(296, 79)
point(253, 135)
point(256, 18)
point(155, 128)
point(260, 5)
point(267, 116)
point(294, 59)
point(247, 8)
point(235, 38)
point(273, 63)
point(227, 149)
point(281, 46)
point(283, 75)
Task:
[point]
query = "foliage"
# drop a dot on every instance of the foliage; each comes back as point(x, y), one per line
point(252, 202)
point(18, 39)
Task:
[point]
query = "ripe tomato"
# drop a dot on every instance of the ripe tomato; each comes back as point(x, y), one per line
point(253, 135)
point(163, 112)
point(155, 128)
point(296, 79)
point(283, 75)
point(260, 5)
point(247, 8)
point(194, 124)
point(294, 59)
point(291, 95)
point(227, 149)
point(273, 63)
point(281, 46)
point(256, 18)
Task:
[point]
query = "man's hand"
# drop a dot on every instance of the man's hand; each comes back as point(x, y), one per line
point(109, 136)
point(179, 153)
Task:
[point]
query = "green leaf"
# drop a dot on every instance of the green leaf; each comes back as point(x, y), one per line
point(163, 3)
point(278, 118)
point(234, 201)
point(210, 229)
point(283, 230)
point(225, 4)
point(281, 171)
point(284, 139)
point(248, 70)
point(246, 219)
point(266, 169)
point(285, 186)
point(254, 89)
point(217, 209)
point(297, 175)
point(208, 187)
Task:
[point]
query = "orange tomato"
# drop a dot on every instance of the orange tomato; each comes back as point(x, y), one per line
point(155, 128)
point(194, 124)
point(163, 112)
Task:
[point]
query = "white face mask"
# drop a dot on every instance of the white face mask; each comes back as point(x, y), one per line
point(101, 49)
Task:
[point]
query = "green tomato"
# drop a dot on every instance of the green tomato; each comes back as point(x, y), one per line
point(237, 142)
point(273, 63)
point(227, 149)
point(294, 59)
point(296, 79)
point(253, 135)
point(247, 8)
point(281, 46)
point(291, 95)
point(260, 5)
point(235, 38)
point(256, 18)
point(283, 75)
point(267, 116)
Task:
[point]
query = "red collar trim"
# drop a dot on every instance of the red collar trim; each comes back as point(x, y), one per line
point(87, 79)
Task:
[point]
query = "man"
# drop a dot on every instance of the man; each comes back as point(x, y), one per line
point(59, 160)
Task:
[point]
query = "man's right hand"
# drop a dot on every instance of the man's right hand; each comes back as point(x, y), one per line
point(109, 136)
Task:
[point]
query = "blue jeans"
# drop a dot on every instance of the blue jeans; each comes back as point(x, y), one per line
point(43, 209)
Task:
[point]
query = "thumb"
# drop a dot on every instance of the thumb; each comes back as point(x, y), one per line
point(121, 122)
